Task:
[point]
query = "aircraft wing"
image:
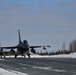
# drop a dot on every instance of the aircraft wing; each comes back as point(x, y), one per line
point(39, 46)
point(33, 50)
point(12, 47)
point(44, 47)
point(35, 46)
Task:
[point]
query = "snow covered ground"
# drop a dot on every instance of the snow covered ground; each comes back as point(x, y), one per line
point(10, 72)
point(71, 55)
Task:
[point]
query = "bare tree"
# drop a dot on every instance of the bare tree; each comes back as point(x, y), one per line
point(72, 46)
point(63, 46)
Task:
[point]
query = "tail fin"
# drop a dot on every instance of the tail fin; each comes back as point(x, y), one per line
point(19, 35)
point(0, 46)
point(1, 50)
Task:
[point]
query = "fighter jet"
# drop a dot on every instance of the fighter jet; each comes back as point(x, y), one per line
point(22, 48)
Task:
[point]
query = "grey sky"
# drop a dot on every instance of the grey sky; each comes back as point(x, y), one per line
point(44, 24)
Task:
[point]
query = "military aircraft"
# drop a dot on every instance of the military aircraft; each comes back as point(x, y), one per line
point(22, 48)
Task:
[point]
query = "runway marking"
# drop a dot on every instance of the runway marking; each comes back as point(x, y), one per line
point(48, 68)
point(22, 64)
point(57, 70)
point(2, 59)
point(44, 68)
point(24, 68)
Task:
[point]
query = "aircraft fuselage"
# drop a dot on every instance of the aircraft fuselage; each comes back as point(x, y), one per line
point(23, 47)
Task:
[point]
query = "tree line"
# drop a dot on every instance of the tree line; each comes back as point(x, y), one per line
point(71, 49)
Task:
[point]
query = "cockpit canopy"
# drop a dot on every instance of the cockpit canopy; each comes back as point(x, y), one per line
point(25, 41)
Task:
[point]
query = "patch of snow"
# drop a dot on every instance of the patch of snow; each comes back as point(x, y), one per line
point(48, 68)
point(10, 72)
point(57, 70)
point(24, 68)
point(44, 68)
point(2, 59)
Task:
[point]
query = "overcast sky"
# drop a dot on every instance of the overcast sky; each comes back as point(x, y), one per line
point(41, 22)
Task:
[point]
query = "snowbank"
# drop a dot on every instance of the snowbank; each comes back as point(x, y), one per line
point(10, 72)
point(71, 55)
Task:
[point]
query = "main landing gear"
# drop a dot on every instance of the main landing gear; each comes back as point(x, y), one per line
point(15, 55)
point(28, 55)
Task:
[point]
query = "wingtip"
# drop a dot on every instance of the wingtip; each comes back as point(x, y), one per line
point(48, 46)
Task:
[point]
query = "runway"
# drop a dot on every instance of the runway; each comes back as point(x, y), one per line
point(40, 66)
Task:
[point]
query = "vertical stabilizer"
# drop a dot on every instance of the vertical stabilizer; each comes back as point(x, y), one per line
point(1, 50)
point(0, 46)
point(19, 36)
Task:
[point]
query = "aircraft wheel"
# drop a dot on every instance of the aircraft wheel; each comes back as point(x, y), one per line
point(15, 55)
point(4, 55)
point(24, 56)
point(29, 55)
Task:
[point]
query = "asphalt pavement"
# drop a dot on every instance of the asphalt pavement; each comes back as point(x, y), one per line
point(40, 66)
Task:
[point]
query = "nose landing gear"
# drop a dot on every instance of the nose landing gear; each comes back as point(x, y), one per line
point(28, 55)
